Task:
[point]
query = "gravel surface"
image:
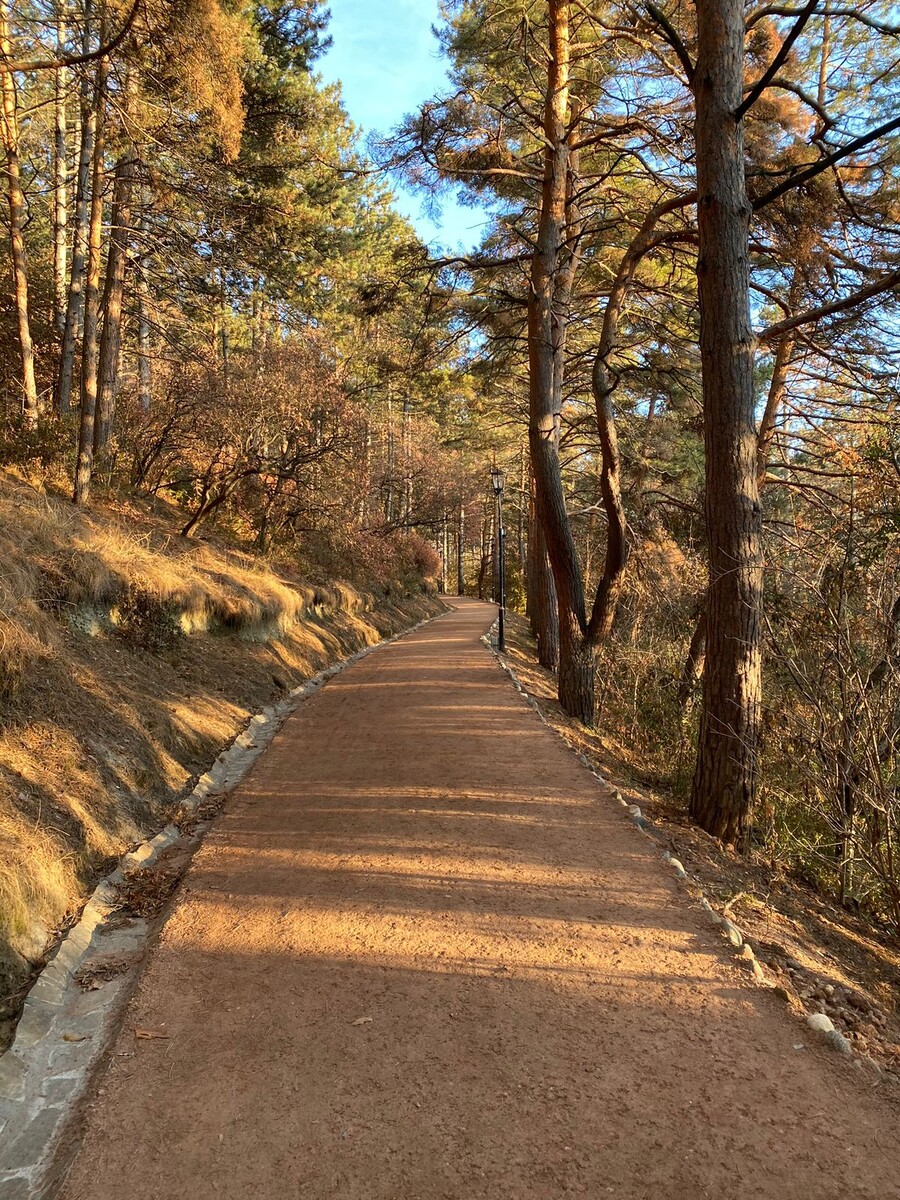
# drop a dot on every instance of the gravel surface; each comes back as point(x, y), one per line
point(423, 956)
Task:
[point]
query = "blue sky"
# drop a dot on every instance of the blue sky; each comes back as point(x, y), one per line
point(388, 62)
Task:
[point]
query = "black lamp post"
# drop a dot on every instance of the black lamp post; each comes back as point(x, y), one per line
point(497, 485)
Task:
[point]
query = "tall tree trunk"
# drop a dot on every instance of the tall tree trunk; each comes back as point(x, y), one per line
point(389, 460)
point(460, 548)
point(485, 556)
point(603, 385)
point(113, 294)
point(545, 342)
point(445, 553)
point(75, 299)
point(16, 216)
point(145, 365)
point(696, 656)
point(90, 350)
point(725, 776)
point(60, 176)
point(407, 437)
point(612, 580)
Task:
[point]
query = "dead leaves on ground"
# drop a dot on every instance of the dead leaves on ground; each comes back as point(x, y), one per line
point(93, 975)
point(145, 893)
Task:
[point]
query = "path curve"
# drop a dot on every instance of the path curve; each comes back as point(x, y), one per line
point(422, 957)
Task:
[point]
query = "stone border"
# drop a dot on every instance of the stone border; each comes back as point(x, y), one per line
point(818, 1022)
point(65, 1031)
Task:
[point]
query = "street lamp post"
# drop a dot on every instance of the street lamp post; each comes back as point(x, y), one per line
point(497, 485)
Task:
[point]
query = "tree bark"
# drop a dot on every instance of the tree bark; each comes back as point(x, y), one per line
point(113, 295)
point(603, 385)
point(84, 466)
point(485, 556)
point(75, 299)
point(60, 177)
point(546, 340)
point(460, 548)
point(724, 783)
point(145, 366)
point(16, 216)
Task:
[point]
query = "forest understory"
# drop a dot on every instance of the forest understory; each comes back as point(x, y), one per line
point(822, 957)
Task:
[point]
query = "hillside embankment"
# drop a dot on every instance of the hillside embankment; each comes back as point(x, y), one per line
point(128, 658)
point(821, 957)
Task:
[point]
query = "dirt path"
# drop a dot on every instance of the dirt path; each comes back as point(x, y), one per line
point(421, 957)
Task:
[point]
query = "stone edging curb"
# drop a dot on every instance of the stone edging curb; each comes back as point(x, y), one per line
point(818, 1022)
point(65, 1031)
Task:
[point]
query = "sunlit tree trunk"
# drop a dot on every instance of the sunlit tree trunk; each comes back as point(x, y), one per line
point(725, 776)
point(15, 202)
point(90, 349)
point(145, 362)
point(60, 177)
point(113, 296)
point(545, 342)
point(460, 549)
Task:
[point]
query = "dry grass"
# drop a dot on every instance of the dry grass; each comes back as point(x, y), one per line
point(782, 917)
point(112, 696)
point(58, 560)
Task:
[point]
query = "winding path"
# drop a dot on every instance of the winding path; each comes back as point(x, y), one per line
point(422, 956)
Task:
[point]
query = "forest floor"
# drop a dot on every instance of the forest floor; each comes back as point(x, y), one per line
point(825, 957)
point(421, 955)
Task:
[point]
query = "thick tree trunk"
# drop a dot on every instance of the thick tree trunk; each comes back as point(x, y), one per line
point(696, 656)
point(113, 295)
point(577, 671)
point(75, 299)
point(90, 350)
point(544, 610)
point(725, 777)
point(16, 217)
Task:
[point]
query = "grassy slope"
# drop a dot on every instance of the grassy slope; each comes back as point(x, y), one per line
point(128, 658)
